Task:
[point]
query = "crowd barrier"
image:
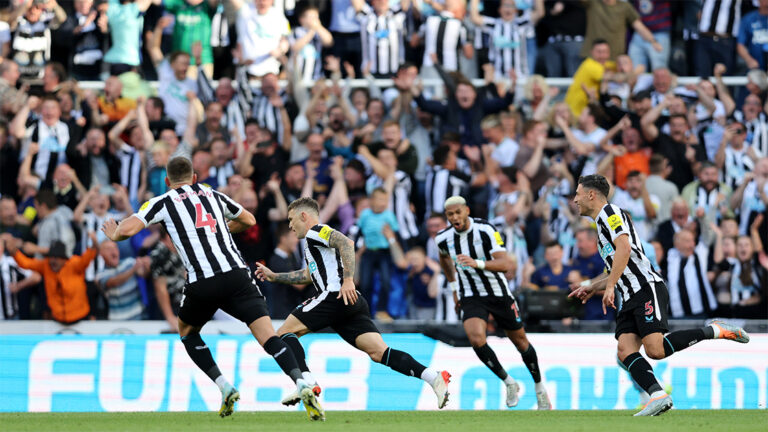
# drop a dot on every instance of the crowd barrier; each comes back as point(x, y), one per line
point(42, 373)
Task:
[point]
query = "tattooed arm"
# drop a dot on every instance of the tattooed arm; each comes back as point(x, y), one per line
point(346, 248)
point(291, 278)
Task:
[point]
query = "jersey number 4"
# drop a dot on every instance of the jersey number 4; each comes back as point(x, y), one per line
point(203, 219)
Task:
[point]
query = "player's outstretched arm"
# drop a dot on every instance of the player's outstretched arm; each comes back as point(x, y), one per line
point(242, 222)
point(620, 261)
point(346, 248)
point(126, 229)
point(588, 288)
point(263, 273)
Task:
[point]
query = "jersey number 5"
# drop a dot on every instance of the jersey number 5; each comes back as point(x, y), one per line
point(203, 219)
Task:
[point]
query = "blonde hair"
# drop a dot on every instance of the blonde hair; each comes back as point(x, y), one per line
point(535, 79)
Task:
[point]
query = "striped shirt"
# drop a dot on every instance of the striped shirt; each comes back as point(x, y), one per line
point(613, 222)
point(382, 39)
point(757, 131)
point(267, 114)
point(479, 241)
point(737, 163)
point(399, 203)
point(10, 273)
point(93, 223)
point(308, 63)
point(124, 299)
point(507, 48)
point(444, 36)
point(130, 170)
point(441, 184)
point(721, 17)
point(222, 173)
point(53, 142)
point(323, 261)
point(195, 217)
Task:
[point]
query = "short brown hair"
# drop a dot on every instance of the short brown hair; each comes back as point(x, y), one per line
point(305, 203)
point(179, 169)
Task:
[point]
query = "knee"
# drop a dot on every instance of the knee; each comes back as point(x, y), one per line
point(476, 339)
point(655, 352)
point(376, 354)
point(622, 353)
point(521, 343)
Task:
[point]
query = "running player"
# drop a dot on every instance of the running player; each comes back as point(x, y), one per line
point(330, 258)
point(199, 221)
point(475, 250)
point(642, 316)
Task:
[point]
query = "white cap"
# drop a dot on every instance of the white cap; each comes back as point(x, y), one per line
point(455, 200)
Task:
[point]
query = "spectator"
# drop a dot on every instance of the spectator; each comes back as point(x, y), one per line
point(585, 142)
point(126, 22)
point(589, 75)
point(658, 183)
point(656, 16)
point(64, 279)
point(86, 41)
point(11, 221)
point(751, 197)
point(94, 163)
point(610, 20)
point(212, 127)
point(34, 18)
point(176, 90)
point(706, 194)
point(753, 35)
point(444, 51)
point(589, 264)
point(635, 157)
point(192, 25)
point(168, 278)
point(112, 105)
point(131, 153)
point(201, 164)
point(12, 99)
point(307, 42)
point(679, 146)
point(392, 139)
point(423, 275)
point(505, 148)
point(55, 225)
point(382, 50)
point(718, 28)
point(563, 25)
point(639, 202)
point(262, 32)
point(118, 280)
point(345, 29)
point(734, 158)
point(755, 121)
point(13, 279)
point(444, 180)
point(45, 139)
point(285, 297)
point(680, 219)
point(684, 269)
point(554, 275)
point(376, 258)
point(529, 157)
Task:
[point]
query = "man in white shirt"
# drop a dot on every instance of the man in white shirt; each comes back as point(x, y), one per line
point(505, 148)
point(262, 32)
point(585, 141)
point(640, 204)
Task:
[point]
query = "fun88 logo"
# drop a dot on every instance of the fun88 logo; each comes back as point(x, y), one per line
point(312, 267)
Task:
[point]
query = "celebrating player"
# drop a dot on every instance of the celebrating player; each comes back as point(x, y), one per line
point(642, 317)
point(200, 221)
point(330, 258)
point(477, 252)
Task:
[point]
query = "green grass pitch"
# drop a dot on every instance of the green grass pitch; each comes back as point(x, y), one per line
point(390, 421)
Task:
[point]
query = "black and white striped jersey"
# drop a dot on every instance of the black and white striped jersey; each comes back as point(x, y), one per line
point(92, 223)
point(399, 203)
point(222, 173)
point(323, 261)
point(506, 45)
point(443, 36)
point(737, 163)
point(267, 114)
point(442, 184)
point(382, 39)
point(613, 222)
point(308, 61)
point(195, 217)
point(10, 273)
point(721, 17)
point(480, 241)
point(130, 170)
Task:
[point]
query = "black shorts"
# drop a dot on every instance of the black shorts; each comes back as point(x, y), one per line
point(235, 292)
point(504, 310)
point(645, 312)
point(325, 310)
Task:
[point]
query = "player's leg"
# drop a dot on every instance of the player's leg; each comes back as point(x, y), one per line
point(290, 332)
point(658, 346)
point(531, 361)
point(642, 373)
point(476, 327)
point(200, 354)
point(372, 344)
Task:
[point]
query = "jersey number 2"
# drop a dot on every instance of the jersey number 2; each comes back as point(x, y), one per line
point(203, 219)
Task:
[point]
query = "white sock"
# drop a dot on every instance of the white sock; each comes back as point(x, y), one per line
point(509, 380)
point(429, 375)
point(658, 393)
point(223, 384)
point(716, 329)
point(540, 387)
point(644, 397)
point(308, 378)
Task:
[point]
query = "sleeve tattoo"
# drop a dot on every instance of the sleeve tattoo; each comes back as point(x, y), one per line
point(346, 248)
point(294, 277)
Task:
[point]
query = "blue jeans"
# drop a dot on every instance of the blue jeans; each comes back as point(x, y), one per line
point(373, 262)
point(561, 59)
point(642, 52)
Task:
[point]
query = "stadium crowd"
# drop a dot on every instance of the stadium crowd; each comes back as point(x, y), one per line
point(689, 163)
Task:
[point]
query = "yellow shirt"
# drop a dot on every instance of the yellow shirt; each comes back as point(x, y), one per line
point(590, 73)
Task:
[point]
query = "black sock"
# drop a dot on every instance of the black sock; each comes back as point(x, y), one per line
point(642, 372)
point(682, 339)
point(284, 357)
point(488, 357)
point(200, 354)
point(402, 362)
point(532, 363)
point(293, 343)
